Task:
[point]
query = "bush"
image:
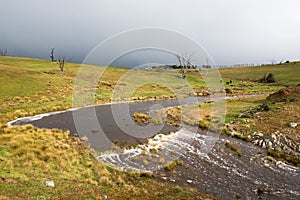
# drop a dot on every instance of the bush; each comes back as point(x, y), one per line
point(204, 124)
point(238, 196)
point(268, 78)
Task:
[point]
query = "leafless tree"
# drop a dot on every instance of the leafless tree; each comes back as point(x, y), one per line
point(61, 63)
point(185, 62)
point(3, 52)
point(180, 63)
point(52, 54)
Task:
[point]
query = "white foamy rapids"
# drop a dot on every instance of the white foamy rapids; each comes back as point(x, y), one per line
point(37, 117)
point(157, 153)
point(280, 166)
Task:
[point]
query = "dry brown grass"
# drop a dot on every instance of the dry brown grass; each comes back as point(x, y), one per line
point(48, 150)
point(141, 118)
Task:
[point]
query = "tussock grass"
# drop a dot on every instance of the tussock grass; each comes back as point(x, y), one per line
point(141, 118)
point(48, 150)
point(232, 147)
point(279, 154)
point(171, 165)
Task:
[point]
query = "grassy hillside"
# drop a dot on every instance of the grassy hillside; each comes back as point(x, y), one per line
point(285, 74)
point(32, 86)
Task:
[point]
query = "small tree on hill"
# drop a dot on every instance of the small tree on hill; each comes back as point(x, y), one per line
point(185, 62)
point(3, 52)
point(61, 63)
point(52, 54)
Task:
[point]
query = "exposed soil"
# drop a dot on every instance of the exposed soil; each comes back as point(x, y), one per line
point(286, 94)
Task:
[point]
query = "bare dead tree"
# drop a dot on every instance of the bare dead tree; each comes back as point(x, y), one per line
point(61, 63)
point(180, 63)
point(188, 58)
point(52, 54)
point(3, 52)
point(185, 62)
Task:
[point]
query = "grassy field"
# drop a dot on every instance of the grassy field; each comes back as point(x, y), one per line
point(285, 74)
point(31, 156)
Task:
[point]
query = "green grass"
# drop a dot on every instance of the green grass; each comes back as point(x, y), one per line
point(285, 74)
point(245, 79)
point(233, 148)
point(279, 154)
point(235, 106)
point(172, 165)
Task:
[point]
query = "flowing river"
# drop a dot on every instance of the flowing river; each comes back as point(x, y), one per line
point(203, 161)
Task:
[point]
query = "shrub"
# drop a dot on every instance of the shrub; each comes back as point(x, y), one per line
point(204, 124)
point(268, 78)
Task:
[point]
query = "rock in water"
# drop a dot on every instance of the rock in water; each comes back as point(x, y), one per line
point(264, 145)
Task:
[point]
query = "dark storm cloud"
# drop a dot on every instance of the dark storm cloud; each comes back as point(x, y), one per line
point(232, 31)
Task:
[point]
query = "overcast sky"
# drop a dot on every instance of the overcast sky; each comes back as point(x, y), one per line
point(232, 31)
